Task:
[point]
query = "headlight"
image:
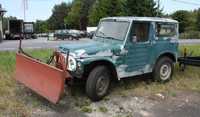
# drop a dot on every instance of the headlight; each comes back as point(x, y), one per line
point(72, 64)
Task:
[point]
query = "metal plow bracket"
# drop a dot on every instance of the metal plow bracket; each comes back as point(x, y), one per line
point(45, 80)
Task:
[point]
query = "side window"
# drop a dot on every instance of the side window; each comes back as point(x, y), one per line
point(165, 30)
point(141, 31)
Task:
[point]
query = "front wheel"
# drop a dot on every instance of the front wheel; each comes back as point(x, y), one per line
point(163, 70)
point(98, 83)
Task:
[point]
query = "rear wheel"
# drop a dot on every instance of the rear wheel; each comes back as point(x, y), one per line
point(98, 83)
point(163, 70)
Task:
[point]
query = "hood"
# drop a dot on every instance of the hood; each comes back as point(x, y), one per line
point(91, 48)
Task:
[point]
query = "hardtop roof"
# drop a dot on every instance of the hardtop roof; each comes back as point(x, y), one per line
point(150, 19)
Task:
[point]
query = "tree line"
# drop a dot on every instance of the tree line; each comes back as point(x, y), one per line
point(82, 13)
point(189, 23)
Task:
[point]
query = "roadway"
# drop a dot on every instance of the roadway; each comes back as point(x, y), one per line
point(40, 43)
point(43, 43)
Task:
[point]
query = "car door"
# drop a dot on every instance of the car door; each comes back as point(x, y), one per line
point(139, 49)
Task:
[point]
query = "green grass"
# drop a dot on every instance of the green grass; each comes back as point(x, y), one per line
point(86, 109)
point(16, 101)
point(194, 49)
point(188, 80)
point(13, 97)
point(103, 109)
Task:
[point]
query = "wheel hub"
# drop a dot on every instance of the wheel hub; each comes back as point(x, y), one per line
point(102, 85)
point(165, 71)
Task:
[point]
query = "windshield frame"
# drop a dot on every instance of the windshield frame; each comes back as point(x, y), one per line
point(114, 20)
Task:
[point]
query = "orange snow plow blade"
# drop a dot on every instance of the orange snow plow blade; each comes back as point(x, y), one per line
point(42, 78)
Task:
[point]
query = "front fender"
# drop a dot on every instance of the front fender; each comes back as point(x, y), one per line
point(87, 61)
point(90, 63)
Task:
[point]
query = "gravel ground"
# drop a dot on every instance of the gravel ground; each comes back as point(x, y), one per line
point(184, 104)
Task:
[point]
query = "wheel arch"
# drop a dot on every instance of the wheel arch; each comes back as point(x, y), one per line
point(165, 54)
point(89, 67)
point(168, 54)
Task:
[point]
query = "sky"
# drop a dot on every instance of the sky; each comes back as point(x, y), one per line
point(42, 9)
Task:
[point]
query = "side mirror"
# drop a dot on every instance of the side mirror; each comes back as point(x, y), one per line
point(134, 39)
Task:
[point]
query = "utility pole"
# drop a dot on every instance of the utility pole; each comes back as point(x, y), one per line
point(158, 8)
point(25, 7)
point(2, 11)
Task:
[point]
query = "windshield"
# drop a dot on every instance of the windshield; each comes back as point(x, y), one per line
point(113, 29)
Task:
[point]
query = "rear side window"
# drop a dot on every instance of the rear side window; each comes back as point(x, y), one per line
point(165, 30)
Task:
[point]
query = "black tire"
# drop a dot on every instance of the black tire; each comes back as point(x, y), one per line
point(163, 70)
point(7, 37)
point(98, 76)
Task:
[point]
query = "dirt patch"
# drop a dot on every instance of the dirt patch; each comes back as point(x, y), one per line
point(122, 106)
point(184, 104)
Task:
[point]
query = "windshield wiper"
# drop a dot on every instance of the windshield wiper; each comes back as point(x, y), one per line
point(110, 38)
point(102, 33)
